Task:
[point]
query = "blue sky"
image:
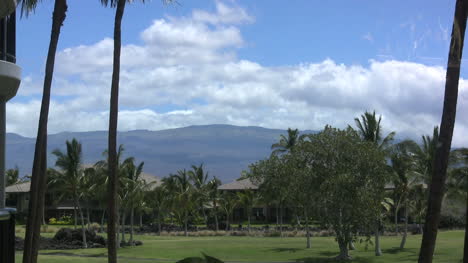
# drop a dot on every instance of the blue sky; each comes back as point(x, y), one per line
point(263, 62)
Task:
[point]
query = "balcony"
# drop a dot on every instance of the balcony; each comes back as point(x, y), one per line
point(10, 73)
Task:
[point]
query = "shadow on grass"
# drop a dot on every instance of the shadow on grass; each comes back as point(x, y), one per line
point(396, 250)
point(333, 260)
point(286, 249)
point(100, 255)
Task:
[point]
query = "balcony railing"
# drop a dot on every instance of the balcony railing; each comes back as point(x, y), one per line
point(8, 38)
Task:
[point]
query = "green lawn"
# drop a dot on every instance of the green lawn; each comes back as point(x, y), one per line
point(263, 249)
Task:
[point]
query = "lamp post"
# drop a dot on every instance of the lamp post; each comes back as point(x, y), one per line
point(10, 78)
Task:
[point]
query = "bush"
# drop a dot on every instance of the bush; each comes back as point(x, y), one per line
point(448, 221)
point(64, 220)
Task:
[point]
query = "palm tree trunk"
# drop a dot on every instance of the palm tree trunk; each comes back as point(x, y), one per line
point(102, 220)
point(405, 233)
point(159, 223)
point(277, 216)
point(281, 220)
point(465, 248)
point(117, 241)
point(83, 230)
point(141, 220)
point(396, 219)
point(378, 251)
point(216, 221)
point(227, 223)
point(307, 228)
point(131, 226)
point(38, 179)
point(439, 171)
point(248, 227)
point(112, 147)
point(75, 217)
point(88, 217)
point(185, 226)
point(122, 226)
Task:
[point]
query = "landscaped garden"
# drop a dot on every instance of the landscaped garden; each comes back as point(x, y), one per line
point(259, 249)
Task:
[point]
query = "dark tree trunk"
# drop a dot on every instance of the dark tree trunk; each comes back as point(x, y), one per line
point(465, 248)
point(228, 227)
point(122, 227)
point(307, 229)
point(112, 147)
point(102, 220)
point(185, 226)
point(38, 178)
point(83, 230)
point(75, 217)
point(281, 220)
point(439, 171)
point(248, 225)
point(132, 214)
point(405, 233)
point(88, 217)
point(159, 222)
point(141, 220)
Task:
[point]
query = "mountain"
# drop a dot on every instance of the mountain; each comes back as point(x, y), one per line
point(225, 150)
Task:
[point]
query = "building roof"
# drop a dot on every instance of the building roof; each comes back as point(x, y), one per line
point(239, 185)
point(26, 186)
point(19, 188)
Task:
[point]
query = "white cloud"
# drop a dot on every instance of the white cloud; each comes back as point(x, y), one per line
point(186, 72)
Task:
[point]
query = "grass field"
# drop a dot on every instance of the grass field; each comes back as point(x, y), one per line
point(263, 249)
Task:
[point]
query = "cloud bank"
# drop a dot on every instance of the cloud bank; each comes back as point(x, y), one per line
point(186, 72)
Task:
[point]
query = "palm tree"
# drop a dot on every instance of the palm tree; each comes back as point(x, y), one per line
point(286, 144)
point(439, 171)
point(158, 199)
point(214, 195)
point(135, 188)
point(112, 142)
point(228, 203)
point(405, 179)
point(459, 185)
point(38, 179)
point(199, 180)
point(70, 178)
point(247, 200)
point(182, 193)
point(370, 130)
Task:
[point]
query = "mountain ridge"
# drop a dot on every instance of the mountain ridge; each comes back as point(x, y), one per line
point(224, 149)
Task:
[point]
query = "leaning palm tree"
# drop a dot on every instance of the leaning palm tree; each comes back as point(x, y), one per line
point(370, 130)
point(70, 178)
point(38, 178)
point(286, 144)
point(439, 171)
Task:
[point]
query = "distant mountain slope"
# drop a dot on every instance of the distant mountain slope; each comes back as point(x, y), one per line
point(225, 150)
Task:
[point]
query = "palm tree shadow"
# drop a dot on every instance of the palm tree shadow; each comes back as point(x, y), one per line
point(396, 250)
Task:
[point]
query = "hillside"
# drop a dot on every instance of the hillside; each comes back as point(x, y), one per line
point(224, 149)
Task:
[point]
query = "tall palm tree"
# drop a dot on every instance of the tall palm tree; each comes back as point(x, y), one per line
point(182, 193)
point(38, 178)
point(370, 130)
point(135, 188)
point(286, 144)
point(247, 200)
point(439, 171)
point(214, 196)
point(228, 203)
point(199, 180)
point(71, 176)
point(112, 140)
point(405, 179)
point(158, 199)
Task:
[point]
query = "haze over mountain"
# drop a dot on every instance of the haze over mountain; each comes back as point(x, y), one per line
point(225, 150)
